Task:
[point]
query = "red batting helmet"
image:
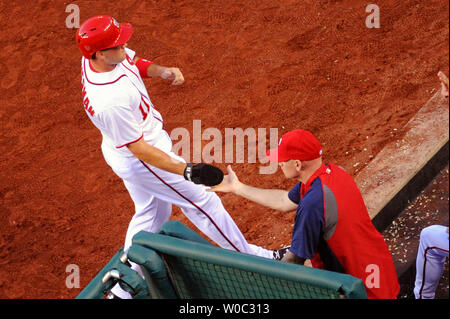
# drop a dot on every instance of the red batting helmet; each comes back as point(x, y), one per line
point(101, 32)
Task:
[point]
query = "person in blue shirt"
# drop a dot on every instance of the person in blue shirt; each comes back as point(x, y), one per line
point(332, 227)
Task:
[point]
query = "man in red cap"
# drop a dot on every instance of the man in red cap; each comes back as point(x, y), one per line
point(332, 227)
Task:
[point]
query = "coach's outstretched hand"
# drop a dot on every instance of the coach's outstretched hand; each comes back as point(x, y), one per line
point(203, 174)
point(229, 184)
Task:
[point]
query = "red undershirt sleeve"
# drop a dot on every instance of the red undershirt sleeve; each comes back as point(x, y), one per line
point(142, 65)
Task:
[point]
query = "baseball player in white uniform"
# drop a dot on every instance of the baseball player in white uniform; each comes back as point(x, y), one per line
point(136, 146)
point(431, 256)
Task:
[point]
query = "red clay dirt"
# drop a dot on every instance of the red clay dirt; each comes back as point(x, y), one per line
point(251, 64)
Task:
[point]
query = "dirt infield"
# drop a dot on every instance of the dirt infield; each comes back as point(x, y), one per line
point(251, 64)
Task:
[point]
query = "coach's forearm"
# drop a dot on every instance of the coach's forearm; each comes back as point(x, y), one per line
point(272, 198)
point(154, 156)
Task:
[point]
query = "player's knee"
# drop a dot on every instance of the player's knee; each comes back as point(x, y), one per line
point(213, 198)
point(429, 232)
point(214, 202)
point(425, 233)
point(202, 197)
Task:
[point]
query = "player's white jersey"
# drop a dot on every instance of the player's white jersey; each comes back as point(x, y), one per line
point(118, 104)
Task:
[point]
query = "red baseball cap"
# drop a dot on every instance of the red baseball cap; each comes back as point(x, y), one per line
point(296, 145)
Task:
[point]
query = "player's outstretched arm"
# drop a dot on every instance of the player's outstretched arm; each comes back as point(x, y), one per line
point(167, 73)
point(273, 198)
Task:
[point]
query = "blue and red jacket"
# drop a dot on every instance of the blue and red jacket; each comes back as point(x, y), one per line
point(333, 228)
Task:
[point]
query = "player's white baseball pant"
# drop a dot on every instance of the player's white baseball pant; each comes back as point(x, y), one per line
point(431, 255)
point(154, 191)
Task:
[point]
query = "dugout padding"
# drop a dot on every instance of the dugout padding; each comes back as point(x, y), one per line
point(198, 270)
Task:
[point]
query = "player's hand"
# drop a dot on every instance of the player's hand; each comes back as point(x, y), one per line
point(202, 173)
point(173, 74)
point(444, 84)
point(229, 184)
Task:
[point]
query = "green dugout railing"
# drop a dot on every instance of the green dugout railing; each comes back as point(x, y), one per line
point(176, 262)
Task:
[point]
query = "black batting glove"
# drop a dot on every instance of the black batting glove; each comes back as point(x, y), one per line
point(203, 174)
